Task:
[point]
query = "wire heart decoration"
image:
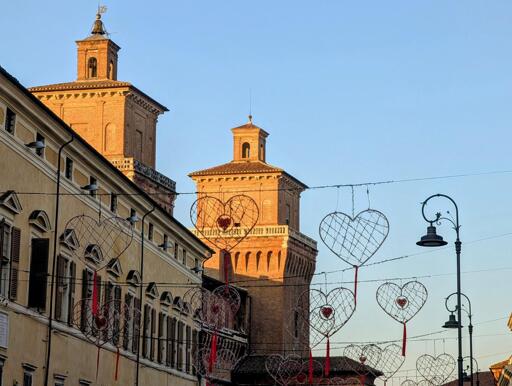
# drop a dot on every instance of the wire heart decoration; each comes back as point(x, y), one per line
point(99, 241)
point(224, 224)
point(391, 360)
point(410, 382)
point(367, 357)
point(402, 303)
point(284, 369)
point(328, 313)
point(338, 381)
point(435, 370)
point(354, 239)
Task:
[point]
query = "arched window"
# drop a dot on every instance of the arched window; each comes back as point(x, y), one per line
point(93, 67)
point(111, 70)
point(246, 149)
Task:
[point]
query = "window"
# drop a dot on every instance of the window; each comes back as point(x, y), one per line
point(288, 214)
point(27, 378)
point(171, 342)
point(93, 181)
point(246, 149)
point(188, 345)
point(113, 305)
point(65, 292)
point(184, 256)
point(10, 121)
point(40, 138)
point(166, 243)
point(58, 380)
point(87, 290)
point(181, 327)
point(68, 170)
point(113, 202)
point(92, 67)
point(131, 320)
point(10, 239)
point(150, 232)
point(176, 248)
point(38, 273)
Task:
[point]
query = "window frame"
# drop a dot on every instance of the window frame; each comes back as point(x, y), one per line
point(10, 121)
point(68, 168)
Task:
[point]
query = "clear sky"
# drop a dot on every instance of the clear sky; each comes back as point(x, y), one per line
point(350, 91)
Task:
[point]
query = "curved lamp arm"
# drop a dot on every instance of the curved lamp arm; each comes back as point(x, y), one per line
point(455, 223)
point(469, 313)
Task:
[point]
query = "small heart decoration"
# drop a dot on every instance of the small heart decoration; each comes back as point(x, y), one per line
point(369, 356)
point(100, 241)
point(410, 382)
point(328, 313)
point(354, 239)
point(435, 370)
point(338, 381)
point(391, 360)
point(284, 369)
point(224, 224)
point(402, 303)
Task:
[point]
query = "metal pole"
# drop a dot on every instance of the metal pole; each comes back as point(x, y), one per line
point(470, 329)
point(141, 293)
point(54, 265)
point(459, 309)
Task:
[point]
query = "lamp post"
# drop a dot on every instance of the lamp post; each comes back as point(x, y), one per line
point(452, 323)
point(473, 361)
point(431, 239)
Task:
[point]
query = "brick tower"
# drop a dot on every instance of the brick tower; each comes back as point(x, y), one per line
point(275, 262)
point(115, 117)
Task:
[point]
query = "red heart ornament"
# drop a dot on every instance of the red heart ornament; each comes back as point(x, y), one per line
point(224, 222)
point(326, 311)
point(401, 301)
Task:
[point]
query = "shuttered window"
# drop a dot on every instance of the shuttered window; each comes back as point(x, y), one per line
point(146, 331)
point(38, 274)
point(172, 338)
point(136, 324)
point(152, 335)
point(116, 326)
point(161, 337)
point(5, 258)
point(180, 345)
point(188, 351)
point(65, 291)
point(128, 321)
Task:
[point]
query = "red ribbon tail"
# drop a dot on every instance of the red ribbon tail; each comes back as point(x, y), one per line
point(404, 340)
point(97, 362)
point(355, 283)
point(362, 379)
point(95, 294)
point(213, 354)
point(227, 263)
point(328, 358)
point(310, 369)
point(117, 365)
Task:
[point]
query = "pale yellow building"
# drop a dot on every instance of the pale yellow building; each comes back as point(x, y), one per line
point(28, 226)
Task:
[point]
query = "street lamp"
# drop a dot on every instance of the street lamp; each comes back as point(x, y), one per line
point(432, 239)
point(467, 377)
point(449, 324)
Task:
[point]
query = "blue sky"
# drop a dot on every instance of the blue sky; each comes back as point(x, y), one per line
point(350, 92)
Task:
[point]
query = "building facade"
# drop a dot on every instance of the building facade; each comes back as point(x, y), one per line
point(275, 262)
point(38, 252)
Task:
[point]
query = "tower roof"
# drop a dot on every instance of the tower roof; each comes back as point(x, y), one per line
point(98, 28)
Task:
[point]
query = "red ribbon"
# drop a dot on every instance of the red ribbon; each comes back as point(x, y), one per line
point(328, 358)
point(310, 372)
point(404, 340)
point(362, 379)
point(213, 354)
point(355, 283)
point(117, 364)
point(95, 295)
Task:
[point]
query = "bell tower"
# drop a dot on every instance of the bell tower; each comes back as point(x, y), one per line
point(113, 116)
point(97, 55)
point(275, 262)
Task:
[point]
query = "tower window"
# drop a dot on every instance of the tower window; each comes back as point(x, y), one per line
point(10, 121)
point(246, 149)
point(69, 168)
point(93, 67)
point(111, 70)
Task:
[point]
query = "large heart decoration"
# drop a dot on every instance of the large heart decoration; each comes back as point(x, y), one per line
point(98, 241)
point(402, 303)
point(225, 361)
point(297, 326)
point(224, 224)
point(284, 369)
point(328, 313)
point(435, 370)
point(391, 360)
point(354, 239)
point(364, 358)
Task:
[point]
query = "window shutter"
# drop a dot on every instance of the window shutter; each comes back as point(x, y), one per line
point(180, 346)
point(145, 331)
point(2, 224)
point(59, 291)
point(83, 308)
point(128, 312)
point(136, 324)
point(168, 344)
point(38, 273)
point(174, 344)
point(15, 262)
point(161, 329)
point(152, 335)
point(117, 319)
point(72, 282)
point(108, 332)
